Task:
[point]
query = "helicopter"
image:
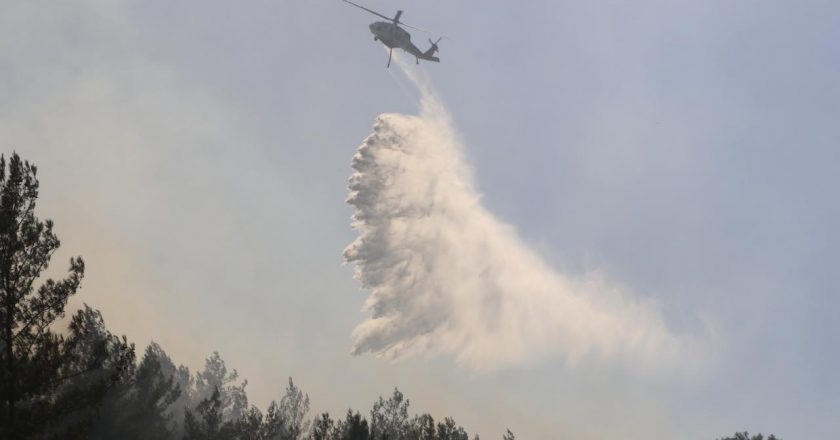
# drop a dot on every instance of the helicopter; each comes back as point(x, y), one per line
point(392, 35)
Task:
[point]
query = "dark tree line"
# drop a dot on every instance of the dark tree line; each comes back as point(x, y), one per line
point(86, 383)
point(746, 436)
point(51, 383)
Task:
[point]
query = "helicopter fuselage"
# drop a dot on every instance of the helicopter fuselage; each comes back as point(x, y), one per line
point(391, 35)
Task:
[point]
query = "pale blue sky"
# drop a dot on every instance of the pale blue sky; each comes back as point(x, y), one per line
point(196, 153)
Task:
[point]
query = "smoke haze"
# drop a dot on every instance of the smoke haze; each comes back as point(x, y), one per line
point(447, 277)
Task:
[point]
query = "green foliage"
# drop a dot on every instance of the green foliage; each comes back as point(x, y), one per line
point(390, 421)
point(746, 436)
point(87, 384)
point(354, 427)
point(274, 425)
point(207, 424)
point(389, 418)
point(449, 430)
point(50, 383)
point(423, 427)
point(323, 428)
point(137, 407)
point(216, 378)
point(293, 409)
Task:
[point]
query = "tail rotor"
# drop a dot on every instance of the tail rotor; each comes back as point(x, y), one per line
point(434, 49)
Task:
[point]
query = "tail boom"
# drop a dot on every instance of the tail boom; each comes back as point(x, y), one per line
point(429, 55)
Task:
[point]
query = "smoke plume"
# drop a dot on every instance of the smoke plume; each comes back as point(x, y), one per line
point(448, 277)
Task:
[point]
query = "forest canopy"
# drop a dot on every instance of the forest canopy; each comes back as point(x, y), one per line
point(84, 382)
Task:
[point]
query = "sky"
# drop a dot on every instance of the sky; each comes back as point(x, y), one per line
point(197, 155)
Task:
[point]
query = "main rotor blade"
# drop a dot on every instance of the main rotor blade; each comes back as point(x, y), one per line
point(394, 20)
point(420, 29)
point(414, 27)
point(366, 9)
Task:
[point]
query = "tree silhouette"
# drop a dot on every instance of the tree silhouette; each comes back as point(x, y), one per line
point(323, 428)
point(449, 430)
point(293, 408)
point(216, 378)
point(137, 407)
point(423, 427)
point(746, 436)
point(85, 383)
point(48, 381)
point(353, 427)
point(389, 418)
point(208, 424)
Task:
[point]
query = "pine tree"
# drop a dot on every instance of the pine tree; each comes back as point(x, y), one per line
point(293, 408)
point(389, 418)
point(449, 430)
point(207, 423)
point(353, 427)
point(423, 427)
point(323, 428)
point(216, 377)
point(746, 436)
point(49, 383)
point(138, 407)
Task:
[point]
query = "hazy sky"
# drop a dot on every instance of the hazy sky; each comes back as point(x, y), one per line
point(196, 153)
